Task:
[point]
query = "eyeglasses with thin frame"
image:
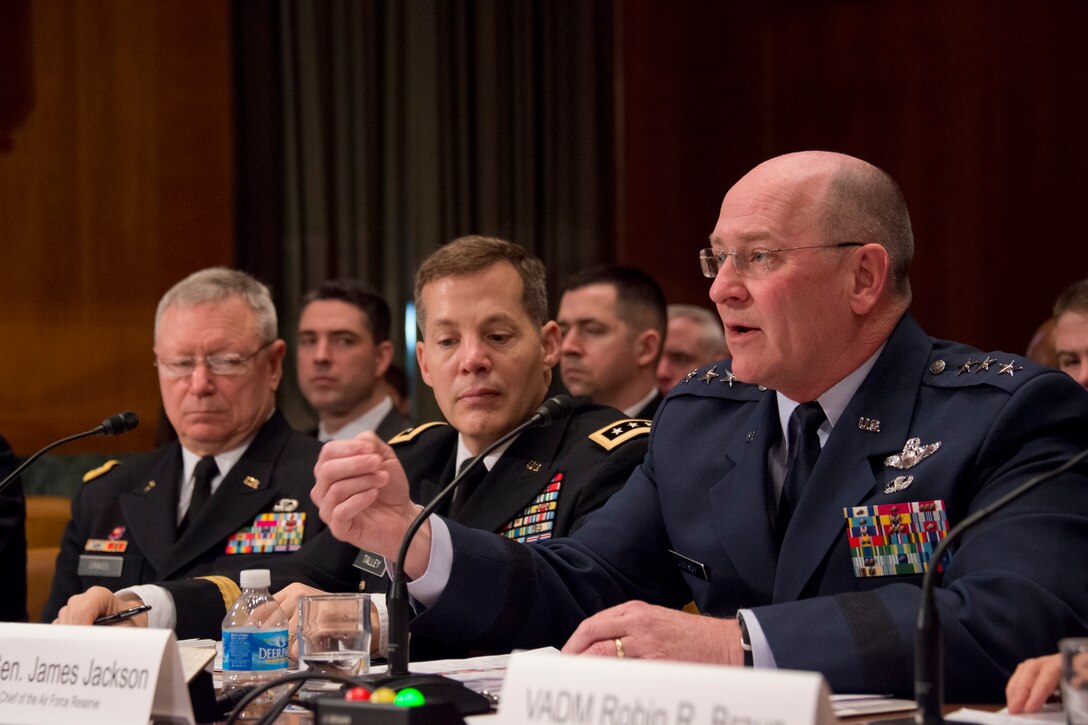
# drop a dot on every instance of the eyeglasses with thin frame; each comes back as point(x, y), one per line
point(755, 262)
point(226, 365)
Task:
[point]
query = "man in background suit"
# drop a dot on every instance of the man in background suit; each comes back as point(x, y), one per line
point(343, 355)
point(612, 320)
point(771, 480)
point(1071, 331)
point(12, 541)
point(232, 493)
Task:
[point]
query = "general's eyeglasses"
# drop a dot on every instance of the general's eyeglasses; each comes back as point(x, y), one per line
point(754, 262)
point(226, 364)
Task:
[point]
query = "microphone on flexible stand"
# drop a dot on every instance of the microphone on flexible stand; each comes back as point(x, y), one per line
point(115, 425)
point(464, 700)
point(928, 645)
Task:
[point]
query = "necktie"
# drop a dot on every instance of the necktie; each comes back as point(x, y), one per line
point(467, 486)
point(805, 450)
point(203, 474)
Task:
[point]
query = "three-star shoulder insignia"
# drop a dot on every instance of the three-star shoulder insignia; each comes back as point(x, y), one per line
point(410, 434)
point(617, 433)
point(104, 468)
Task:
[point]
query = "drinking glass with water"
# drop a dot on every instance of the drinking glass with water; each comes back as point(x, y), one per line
point(334, 633)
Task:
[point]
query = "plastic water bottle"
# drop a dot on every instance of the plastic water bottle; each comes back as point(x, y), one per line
point(254, 639)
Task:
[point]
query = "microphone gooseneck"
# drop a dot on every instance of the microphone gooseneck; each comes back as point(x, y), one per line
point(112, 426)
point(928, 645)
point(552, 409)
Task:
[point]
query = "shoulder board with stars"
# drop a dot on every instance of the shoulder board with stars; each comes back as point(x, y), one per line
point(619, 432)
point(101, 470)
point(409, 434)
point(717, 381)
point(961, 367)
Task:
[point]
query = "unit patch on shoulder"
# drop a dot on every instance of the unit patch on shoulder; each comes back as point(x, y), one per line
point(618, 433)
point(410, 433)
point(104, 468)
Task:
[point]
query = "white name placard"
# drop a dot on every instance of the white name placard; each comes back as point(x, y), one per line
point(118, 675)
point(579, 690)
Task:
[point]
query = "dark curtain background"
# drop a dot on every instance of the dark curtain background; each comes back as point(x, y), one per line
point(369, 133)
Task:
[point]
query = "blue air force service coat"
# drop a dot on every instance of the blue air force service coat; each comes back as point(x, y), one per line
point(936, 429)
point(124, 520)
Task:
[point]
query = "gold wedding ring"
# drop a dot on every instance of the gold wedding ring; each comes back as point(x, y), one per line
point(619, 647)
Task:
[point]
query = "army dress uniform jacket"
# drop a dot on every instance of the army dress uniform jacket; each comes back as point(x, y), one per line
point(129, 513)
point(592, 452)
point(693, 522)
point(572, 467)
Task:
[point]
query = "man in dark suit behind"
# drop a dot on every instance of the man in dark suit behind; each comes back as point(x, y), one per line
point(795, 492)
point(343, 355)
point(233, 492)
point(12, 541)
point(613, 319)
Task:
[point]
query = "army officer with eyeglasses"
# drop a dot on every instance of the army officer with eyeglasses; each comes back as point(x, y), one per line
point(233, 492)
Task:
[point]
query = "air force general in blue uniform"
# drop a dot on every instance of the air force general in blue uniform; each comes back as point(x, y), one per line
point(809, 261)
point(693, 523)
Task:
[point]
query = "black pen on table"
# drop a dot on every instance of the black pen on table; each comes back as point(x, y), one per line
point(123, 615)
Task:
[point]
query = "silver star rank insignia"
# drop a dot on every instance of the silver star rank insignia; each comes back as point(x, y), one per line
point(985, 364)
point(709, 375)
point(966, 367)
point(690, 375)
point(912, 453)
point(1010, 367)
point(729, 377)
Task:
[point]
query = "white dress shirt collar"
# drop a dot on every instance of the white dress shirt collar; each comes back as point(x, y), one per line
point(368, 421)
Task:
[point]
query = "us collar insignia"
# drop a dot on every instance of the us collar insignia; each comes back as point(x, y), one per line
point(149, 485)
point(985, 364)
point(689, 376)
point(709, 375)
point(729, 377)
point(251, 482)
point(913, 452)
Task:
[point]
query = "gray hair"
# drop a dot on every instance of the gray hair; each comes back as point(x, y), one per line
point(711, 334)
point(216, 284)
point(1074, 297)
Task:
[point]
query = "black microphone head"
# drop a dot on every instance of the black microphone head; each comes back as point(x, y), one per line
point(553, 409)
point(120, 423)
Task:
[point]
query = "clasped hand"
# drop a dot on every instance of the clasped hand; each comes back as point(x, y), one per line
point(361, 492)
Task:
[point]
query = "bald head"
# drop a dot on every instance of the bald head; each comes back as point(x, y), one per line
point(819, 245)
point(846, 199)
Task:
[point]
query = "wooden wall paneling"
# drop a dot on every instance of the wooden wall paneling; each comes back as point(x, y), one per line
point(118, 183)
